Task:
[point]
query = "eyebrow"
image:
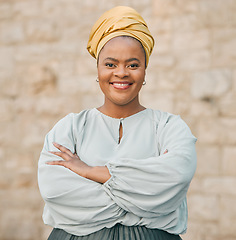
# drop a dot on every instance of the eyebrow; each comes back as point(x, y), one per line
point(116, 60)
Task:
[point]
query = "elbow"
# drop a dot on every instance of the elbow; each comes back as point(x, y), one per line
point(48, 191)
point(187, 167)
point(187, 175)
point(45, 191)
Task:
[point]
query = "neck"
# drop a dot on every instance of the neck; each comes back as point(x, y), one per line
point(123, 111)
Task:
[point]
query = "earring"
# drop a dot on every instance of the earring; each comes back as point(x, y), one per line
point(144, 82)
point(97, 80)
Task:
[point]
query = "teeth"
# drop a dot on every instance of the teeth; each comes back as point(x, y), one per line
point(121, 84)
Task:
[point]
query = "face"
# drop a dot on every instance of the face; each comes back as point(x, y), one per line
point(121, 71)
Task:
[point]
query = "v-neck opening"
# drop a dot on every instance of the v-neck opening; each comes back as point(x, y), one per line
point(120, 133)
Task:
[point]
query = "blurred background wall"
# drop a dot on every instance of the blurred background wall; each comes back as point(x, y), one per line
point(46, 73)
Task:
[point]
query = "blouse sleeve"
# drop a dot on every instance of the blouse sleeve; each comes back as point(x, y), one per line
point(71, 199)
point(156, 186)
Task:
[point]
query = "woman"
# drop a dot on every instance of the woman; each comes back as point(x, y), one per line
point(127, 168)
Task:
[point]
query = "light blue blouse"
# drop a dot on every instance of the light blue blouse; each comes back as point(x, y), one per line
point(146, 187)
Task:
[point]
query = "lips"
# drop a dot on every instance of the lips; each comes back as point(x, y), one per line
point(121, 85)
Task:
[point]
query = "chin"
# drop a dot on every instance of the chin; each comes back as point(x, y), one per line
point(122, 102)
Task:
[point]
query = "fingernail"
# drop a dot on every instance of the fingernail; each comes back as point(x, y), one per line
point(56, 144)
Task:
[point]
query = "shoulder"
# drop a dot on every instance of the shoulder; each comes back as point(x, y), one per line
point(72, 122)
point(161, 117)
point(66, 130)
point(168, 122)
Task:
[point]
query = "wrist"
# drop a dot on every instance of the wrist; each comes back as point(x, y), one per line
point(88, 172)
point(98, 174)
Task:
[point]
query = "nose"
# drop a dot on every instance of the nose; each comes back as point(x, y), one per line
point(121, 72)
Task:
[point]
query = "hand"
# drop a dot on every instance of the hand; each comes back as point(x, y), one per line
point(72, 161)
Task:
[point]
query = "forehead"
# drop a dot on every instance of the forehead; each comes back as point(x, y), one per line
point(123, 46)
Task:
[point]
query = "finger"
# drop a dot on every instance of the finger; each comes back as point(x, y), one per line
point(63, 149)
point(63, 155)
point(60, 163)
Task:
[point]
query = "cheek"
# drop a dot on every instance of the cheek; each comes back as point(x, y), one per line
point(103, 73)
point(140, 76)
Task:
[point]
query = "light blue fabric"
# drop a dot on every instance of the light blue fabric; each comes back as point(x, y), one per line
point(146, 187)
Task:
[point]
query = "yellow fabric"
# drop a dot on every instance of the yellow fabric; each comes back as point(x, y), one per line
point(120, 21)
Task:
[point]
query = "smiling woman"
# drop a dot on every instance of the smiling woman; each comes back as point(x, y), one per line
point(118, 171)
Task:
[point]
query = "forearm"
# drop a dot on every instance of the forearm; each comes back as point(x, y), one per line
point(98, 174)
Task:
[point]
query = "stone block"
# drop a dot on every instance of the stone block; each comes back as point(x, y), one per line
point(223, 47)
point(228, 129)
point(33, 53)
point(202, 230)
point(160, 100)
point(40, 79)
point(217, 130)
point(228, 166)
point(182, 105)
point(46, 31)
point(204, 207)
point(160, 26)
point(162, 46)
point(186, 22)
point(176, 81)
point(79, 84)
point(204, 108)
point(227, 104)
point(7, 61)
point(11, 33)
point(6, 110)
point(193, 60)
point(187, 7)
point(208, 160)
point(196, 185)
point(23, 220)
point(68, 9)
point(216, 13)
point(194, 231)
point(26, 9)
point(143, 7)
point(86, 65)
point(228, 217)
point(220, 186)
point(211, 84)
point(91, 101)
point(164, 61)
point(164, 8)
point(9, 86)
point(209, 131)
point(5, 11)
point(185, 41)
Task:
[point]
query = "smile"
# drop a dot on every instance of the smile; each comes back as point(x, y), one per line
point(121, 85)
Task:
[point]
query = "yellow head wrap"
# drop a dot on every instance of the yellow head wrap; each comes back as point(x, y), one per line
point(120, 21)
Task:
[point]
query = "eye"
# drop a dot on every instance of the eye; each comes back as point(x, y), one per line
point(110, 65)
point(133, 66)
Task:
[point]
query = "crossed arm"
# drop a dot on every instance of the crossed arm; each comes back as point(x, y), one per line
point(72, 161)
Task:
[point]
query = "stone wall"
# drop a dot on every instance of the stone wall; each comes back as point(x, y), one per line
point(46, 73)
